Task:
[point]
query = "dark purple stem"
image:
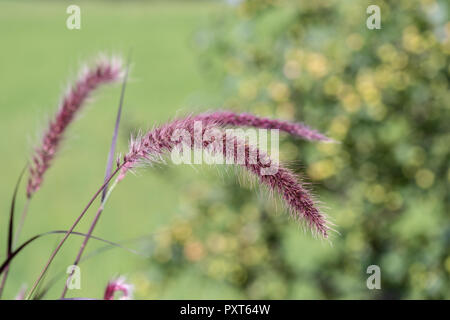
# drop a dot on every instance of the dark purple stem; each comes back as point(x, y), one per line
point(83, 246)
point(47, 265)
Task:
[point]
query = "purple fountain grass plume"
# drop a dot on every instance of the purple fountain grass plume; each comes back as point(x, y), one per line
point(105, 71)
point(118, 284)
point(152, 146)
point(229, 118)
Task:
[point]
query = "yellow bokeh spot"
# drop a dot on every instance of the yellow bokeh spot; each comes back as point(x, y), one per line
point(279, 91)
point(333, 86)
point(264, 110)
point(394, 58)
point(142, 285)
point(292, 69)
point(316, 64)
point(382, 76)
point(295, 54)
point(401, 60)
point(418, 275)
point(217, 243)
point(328, 148)
point(417, 156)
point(447, 264)
point(355, 41)
point(218, 268)
point(182, 232)
point(194, 251)
point(366, 87)
point(253, 255)
point(162, 254)
point(399, 80)
point(394, 201)
point(164, 239)
point(233, 66)
point(322, 169)
point(346, 218)
point(351, 102)
point(387, 52)
point(339, 126)
point(412, 41)
point(377, 111)
point(447, 36)
point(428, 2)
point(285, 110)
point(424, 178)
point(248, 90)
point(376, 193)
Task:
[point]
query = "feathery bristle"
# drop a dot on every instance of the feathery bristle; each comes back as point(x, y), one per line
point(118, 284)
point(150, 147)
point(229, 118)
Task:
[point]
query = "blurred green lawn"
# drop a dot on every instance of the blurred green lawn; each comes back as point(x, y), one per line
point(39, 56)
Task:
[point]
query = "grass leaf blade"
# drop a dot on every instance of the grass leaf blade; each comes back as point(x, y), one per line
point(11, 212)
point(112, 149)
point(29, 241)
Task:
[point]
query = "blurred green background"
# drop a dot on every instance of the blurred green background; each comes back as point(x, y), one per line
point(382, 93)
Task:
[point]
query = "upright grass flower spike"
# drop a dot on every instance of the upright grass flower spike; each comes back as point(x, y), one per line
point(105, 71)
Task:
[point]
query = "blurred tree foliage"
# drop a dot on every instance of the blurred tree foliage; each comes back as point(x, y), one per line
point(383, 94)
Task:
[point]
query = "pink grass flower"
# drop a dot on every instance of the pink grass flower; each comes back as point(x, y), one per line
point(105, 71)
point(229, 118)
point(151, 148)
point(118, 284)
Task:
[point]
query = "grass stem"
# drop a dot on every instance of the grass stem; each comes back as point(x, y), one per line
point(58, 247)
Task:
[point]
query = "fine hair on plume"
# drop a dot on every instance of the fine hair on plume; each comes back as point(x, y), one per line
point(296, 129)
point(151, 147)
point(105, 70)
